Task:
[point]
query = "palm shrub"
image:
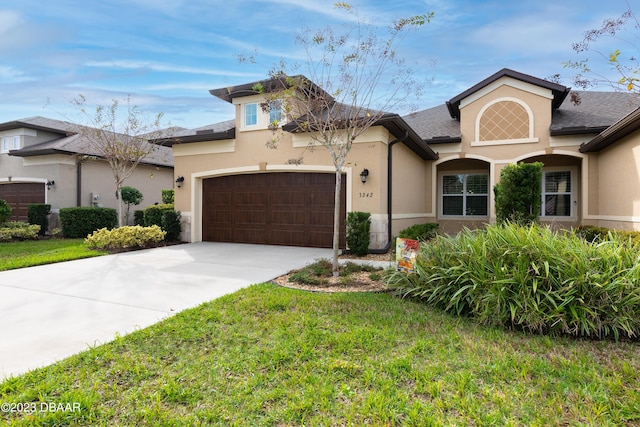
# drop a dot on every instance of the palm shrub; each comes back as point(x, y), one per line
point(531, 278)
point(358, 232)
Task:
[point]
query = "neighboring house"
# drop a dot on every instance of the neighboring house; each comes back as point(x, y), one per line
point(47, 161)
point(437, 165)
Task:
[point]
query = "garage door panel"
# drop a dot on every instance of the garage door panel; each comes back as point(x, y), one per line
point(250, 198)
point(271, 208)
point(20, 195)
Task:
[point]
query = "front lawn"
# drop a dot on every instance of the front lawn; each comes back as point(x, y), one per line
point(272, 356)
point(30, 253)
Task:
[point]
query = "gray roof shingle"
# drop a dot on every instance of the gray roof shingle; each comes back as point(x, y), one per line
point(71, 142)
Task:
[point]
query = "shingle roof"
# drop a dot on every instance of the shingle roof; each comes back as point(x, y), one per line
point(595, 112)
point(624, 127)
point(435, 125)
point(212, 132)
point(70, 142)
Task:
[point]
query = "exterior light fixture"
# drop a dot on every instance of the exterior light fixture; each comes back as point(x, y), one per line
point(50, 184)
point(363, 175)
point(179, 181)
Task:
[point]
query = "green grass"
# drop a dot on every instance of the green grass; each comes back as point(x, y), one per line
point(271, 356)
point(30, 253)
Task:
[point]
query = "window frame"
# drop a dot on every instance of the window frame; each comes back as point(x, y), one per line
point(253, 114)
point(278, 109)
point(16, 143)
point(571, 194)
point(464, 194)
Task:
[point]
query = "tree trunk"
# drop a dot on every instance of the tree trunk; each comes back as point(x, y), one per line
point(336, 223)
point(119, 197)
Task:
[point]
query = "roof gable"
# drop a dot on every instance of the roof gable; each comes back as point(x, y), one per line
point(559, 92)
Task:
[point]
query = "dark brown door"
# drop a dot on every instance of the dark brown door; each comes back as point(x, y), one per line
point(285, 208)
point(20, 195)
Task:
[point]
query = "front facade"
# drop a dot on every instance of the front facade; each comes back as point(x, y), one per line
point(437, 165)
point(510, 118)
point(45, 161)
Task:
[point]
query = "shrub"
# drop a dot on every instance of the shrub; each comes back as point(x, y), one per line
point(130, 196)
point(593, 234)
point(127, 237)
point(138, 217)
point(15, 230)
point(421, 232)
point(519, 193)
point(82, 221)
point(530, 278)
point(37, 214)
point(5, 211)
point(167, 197)
point(153, 214)
point(358, 232)
point(171, 225)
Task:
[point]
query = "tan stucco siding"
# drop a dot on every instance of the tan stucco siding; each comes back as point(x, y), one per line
point(618, 169)
point(411, 189)
point(250, 153)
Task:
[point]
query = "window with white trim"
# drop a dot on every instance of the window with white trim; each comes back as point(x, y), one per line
point(5, 145)
point(251, 114)
point(465, 194)
point(557, 196)
point(275, 112)
point(16, 143)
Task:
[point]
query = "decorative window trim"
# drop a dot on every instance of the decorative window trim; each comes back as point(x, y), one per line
point(531, 139)
point(464, 216)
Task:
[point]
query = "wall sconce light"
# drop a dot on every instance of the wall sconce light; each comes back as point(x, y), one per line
point(50, 184)
point(363, 175)
point(179, 181)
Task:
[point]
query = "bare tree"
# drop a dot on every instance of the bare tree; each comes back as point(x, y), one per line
point(120, 138)
point(624, 59)
point(352, 79)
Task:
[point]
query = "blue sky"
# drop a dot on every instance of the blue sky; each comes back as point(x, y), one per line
point(167, 54)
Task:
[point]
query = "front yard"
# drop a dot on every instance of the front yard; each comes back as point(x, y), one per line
point(274, 356)
point(30, 253)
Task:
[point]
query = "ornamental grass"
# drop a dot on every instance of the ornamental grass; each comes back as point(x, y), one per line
point(533, 279)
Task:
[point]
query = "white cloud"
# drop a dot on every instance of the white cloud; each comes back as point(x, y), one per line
point(165, 68)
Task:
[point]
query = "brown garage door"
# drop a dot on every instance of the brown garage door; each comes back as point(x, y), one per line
point(20, 195)
point(284, 208)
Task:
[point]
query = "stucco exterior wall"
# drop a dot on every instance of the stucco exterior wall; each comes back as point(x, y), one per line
point(617, 204)
point(248, 153)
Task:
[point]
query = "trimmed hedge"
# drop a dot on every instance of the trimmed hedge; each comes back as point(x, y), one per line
point(358, 232)
point(168, 197)
point(153, 214)
point(81, 221)
point(138, 217)
point(37, 214)
point(127, 237)
point(16, 230)
point(421, 232)
point(171, 225)
point(531, 278)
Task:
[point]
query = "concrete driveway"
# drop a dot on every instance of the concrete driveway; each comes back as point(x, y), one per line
point(50, 312)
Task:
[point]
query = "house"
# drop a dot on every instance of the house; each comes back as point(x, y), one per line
point(47, 161)
point(437, 165)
